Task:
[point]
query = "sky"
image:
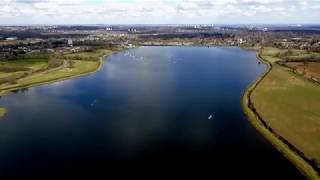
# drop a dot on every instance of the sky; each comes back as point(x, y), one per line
point(159, 11)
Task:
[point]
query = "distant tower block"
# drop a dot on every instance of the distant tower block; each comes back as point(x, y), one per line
point(70, 42)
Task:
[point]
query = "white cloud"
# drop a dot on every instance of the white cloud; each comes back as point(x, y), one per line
point(157, 11)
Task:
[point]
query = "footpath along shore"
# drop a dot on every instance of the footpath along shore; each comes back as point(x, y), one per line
point(279, 143)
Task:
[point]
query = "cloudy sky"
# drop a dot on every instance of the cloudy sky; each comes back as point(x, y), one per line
point(159, 11)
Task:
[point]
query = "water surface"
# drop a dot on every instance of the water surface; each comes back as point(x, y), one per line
point(157, 108)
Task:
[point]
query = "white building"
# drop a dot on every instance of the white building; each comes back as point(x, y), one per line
point(70, 42)
point(11, 38)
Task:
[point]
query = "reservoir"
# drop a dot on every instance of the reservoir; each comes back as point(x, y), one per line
point(159, 109)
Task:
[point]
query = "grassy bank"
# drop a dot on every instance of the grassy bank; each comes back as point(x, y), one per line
point(2, 112)
point(90, 63)
point(80, 68)
point(284, 108)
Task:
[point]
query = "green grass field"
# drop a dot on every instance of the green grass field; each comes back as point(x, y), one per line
point(290, 104)
point(80, 67)
point(83, 62)
point(30, 63)
point(9, 68)
point(88, 56)
point(12, 70)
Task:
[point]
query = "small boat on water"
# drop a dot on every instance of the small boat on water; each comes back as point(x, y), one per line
point(210, 117)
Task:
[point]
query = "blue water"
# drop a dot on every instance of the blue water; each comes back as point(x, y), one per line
point(156, 109)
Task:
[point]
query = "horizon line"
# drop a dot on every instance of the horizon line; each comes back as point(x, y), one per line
point(159, 24)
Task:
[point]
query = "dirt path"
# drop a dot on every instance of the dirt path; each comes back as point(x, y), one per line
point(64, 65)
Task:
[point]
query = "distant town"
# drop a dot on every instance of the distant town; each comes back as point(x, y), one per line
point(19, 40)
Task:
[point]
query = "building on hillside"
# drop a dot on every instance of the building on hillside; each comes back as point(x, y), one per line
point(11, 38)
point(70, 42)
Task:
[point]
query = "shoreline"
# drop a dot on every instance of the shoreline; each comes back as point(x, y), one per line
point(2, 112)
point(285, 148)
point(292, 154)
point(6, 90)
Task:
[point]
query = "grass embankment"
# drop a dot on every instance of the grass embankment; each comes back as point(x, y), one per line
point(285, 108)
point(25, 73)
point(2, 112)
point(79, 68)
